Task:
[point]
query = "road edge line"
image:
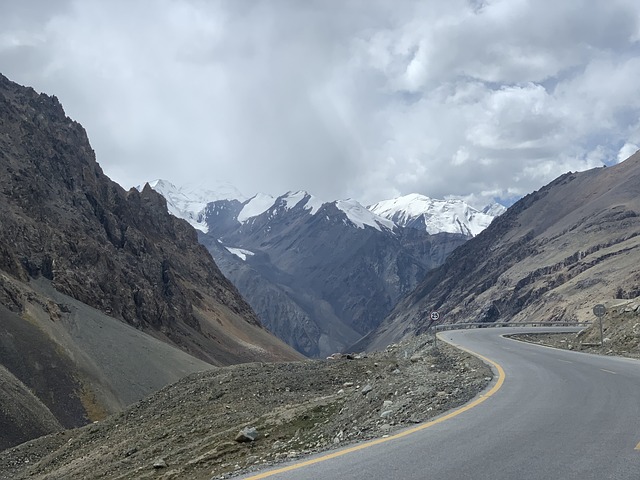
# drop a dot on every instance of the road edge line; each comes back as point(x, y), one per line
point(480, 398)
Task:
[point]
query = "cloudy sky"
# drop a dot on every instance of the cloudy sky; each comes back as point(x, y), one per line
point(366, 99)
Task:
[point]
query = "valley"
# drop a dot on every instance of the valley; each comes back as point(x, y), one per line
point(142, 330)
point(320, 275)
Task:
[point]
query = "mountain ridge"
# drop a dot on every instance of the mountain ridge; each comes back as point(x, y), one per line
point(438, 216)
point(551, 256)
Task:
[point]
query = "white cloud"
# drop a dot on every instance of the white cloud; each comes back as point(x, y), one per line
point(627, 150)
point(344, 99)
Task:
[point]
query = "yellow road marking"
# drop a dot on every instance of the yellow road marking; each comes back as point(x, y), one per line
point(608, 371)
point(637, 446)
point(362, 446)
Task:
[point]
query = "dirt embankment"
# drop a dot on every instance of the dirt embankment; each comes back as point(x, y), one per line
point(190, 429)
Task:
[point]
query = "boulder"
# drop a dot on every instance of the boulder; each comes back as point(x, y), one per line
point(247, 434)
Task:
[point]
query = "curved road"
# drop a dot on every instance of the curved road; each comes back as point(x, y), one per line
point(550, 414)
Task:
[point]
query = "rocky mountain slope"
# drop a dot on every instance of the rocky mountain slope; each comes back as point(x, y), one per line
point(66, 361)
point(80, 256)
point(322, 274)
point(552, 256)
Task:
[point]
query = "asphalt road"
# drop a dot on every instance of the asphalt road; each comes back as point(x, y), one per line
point(549, 414)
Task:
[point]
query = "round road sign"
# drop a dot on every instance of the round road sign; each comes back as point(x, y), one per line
point(599, 310)
point(434, 316)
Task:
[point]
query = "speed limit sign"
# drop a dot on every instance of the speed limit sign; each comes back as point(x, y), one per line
point(434, 316)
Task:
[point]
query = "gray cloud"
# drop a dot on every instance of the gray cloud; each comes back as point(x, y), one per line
point(344, 99)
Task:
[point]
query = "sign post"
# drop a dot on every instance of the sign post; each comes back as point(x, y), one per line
point(434, 316)
point(599, 310)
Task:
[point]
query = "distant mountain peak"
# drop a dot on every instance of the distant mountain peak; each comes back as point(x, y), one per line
point(190, 201)
point(436, 216)
point(256, 205)
point(308, 201)
point(180, 203)
point(412, 211)
point(494, 209)
point(360, 216)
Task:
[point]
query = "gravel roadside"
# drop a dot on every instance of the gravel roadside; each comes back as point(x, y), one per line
point(191, 429)
point(574, 341)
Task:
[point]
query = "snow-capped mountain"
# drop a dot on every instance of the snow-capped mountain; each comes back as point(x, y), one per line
point(322, 274)
point(494, 209)
point(262, 202)
point(256, 205)
point(436, 216)
point(189, 202)
point(361, 216)
point(351, 212)
point(413, 211)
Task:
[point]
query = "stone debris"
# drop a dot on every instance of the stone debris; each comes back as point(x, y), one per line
point(247, 434)
point(159, 463)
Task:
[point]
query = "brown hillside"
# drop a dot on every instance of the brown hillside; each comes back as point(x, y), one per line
point(551, 257)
